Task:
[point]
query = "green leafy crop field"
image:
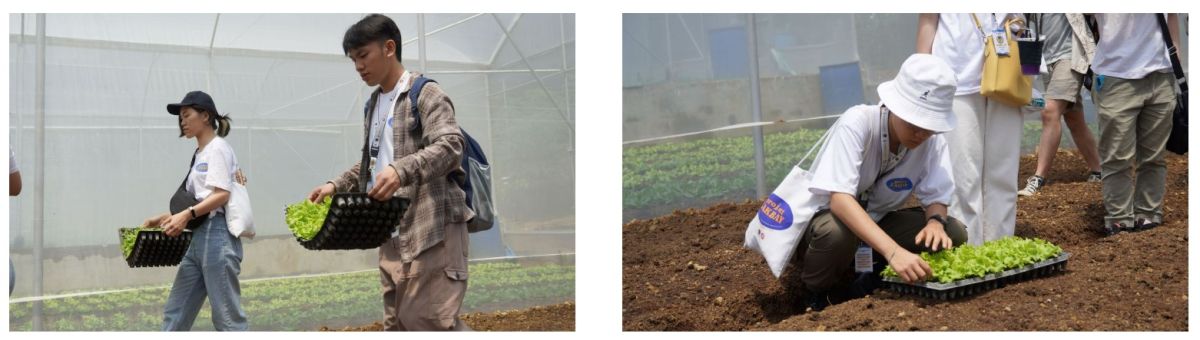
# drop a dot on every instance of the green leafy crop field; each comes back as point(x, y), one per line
point(302, 304)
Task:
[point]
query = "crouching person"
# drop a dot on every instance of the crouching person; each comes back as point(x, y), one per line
point(877, 156)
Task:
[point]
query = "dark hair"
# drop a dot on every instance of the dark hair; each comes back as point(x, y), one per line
point(213, 120)
point(373, 28)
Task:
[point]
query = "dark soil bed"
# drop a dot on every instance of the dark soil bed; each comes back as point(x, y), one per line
point(688, 271)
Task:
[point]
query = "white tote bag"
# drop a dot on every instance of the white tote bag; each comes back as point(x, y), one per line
point(783, 217)
point(238, 214)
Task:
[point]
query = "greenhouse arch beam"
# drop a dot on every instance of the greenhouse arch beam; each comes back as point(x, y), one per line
point(557, 107)
point(453, 24)
point(500, 44)
point(211, 68)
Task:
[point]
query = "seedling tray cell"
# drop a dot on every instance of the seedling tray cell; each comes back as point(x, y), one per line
point(976, 285)
point(153, 248)
point(356, 221)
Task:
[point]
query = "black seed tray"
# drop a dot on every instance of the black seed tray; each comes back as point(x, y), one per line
point(356, 221)
point(976, 285)
point(155, 249)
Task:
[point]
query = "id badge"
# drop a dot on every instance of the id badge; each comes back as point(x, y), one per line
point(1000, 41)
point(863, 262)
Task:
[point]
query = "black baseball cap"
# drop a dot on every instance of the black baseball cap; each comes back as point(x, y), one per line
point(194, 99)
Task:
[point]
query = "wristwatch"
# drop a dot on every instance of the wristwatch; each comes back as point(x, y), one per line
point(938, 218)
point(192, 209)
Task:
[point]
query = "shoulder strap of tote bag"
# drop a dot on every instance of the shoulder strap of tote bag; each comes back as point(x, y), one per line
point(820, 144)
point(1173, 52)
point(977, 25)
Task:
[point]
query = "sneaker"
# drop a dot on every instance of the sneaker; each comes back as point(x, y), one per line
point(1032, 185)
point(1094, 177)
point(1113, 228)
point(1143, 224)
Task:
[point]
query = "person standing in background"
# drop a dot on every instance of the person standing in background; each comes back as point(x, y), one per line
point(1068, 52)
point(985, 145)
point(14, 189)
point(1134, 92)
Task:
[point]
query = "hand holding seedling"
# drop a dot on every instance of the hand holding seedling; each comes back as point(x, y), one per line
point(320, 192)
point(909, 266)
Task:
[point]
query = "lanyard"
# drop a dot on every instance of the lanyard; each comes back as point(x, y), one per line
point(884, 168)
point(380, 121)
point(377, 131)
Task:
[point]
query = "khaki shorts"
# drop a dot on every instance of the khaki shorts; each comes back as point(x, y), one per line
point(1063, 82)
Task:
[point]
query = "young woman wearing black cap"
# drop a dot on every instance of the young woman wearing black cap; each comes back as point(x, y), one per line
point(212, 263)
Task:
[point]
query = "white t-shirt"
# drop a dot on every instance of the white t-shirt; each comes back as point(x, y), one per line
point(12, 162)
point(960, 43)
point(214, 168)
point(1131, 46)
point(383, 115)
point(841, 166)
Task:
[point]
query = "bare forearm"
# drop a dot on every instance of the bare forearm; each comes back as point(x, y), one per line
point(926, 29)
point(215, 200)
point(14, 183)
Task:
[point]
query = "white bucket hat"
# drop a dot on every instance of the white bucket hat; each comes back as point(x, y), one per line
point(922, 93)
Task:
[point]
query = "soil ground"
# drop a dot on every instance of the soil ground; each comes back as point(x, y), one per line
point(560, 317)
point(688, 271)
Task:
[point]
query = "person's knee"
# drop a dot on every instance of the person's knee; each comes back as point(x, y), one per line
point(1053, 110)
point(956, 230)
point(830, 234)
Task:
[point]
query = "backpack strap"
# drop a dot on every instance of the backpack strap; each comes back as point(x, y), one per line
point(414, 94)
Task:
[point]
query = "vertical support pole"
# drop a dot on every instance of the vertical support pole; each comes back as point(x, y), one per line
point(756, 106)
point(39, 164)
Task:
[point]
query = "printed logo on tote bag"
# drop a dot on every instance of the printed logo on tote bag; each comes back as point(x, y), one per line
point(775, 213)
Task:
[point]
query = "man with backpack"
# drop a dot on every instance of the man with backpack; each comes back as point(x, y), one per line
point(418, 156)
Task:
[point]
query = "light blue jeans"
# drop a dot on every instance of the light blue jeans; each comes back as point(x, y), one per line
point(209, 269)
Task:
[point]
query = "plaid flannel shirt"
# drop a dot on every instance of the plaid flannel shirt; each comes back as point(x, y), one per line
point(424, 160)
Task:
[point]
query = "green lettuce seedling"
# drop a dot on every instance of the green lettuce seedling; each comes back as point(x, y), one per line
point(129, 237)
point(967, 261)
point(305, 218)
